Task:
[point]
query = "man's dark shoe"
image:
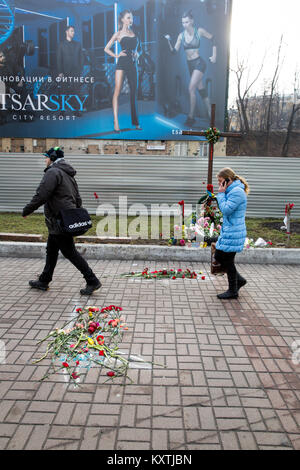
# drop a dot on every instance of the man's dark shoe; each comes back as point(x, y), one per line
point(90, 288)
point(39, 285)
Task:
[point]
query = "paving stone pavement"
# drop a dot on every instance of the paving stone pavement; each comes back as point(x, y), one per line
point(229, 382)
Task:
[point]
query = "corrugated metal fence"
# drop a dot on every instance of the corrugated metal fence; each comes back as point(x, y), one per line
point(155, 180)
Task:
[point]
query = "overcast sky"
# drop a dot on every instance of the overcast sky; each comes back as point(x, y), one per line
point(257, 26)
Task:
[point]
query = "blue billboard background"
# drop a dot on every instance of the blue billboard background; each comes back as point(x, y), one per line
point(38, 99)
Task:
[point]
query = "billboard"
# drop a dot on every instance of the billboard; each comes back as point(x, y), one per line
point(104, 69)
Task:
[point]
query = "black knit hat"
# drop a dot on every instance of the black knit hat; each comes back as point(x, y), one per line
point(54, 153)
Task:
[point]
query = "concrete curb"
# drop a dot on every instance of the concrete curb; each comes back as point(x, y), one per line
point(154, 253)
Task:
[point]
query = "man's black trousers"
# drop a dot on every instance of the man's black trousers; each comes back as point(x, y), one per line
point(65, 244)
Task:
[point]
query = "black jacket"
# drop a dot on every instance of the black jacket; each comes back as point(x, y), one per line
point(58, 190)
point(70, 59)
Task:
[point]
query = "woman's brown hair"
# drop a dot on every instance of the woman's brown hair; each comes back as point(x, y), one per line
point(229, 173)
point(188, 14)
point(121, 16)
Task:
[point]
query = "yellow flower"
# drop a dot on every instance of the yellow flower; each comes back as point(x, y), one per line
point(90, 341)
point(90, 315)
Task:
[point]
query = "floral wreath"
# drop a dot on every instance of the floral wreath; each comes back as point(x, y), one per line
point(212, 134)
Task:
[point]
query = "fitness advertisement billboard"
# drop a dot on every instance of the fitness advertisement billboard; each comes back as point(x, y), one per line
point(99, 69)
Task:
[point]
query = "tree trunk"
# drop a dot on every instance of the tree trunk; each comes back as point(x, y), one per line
point(285, 148)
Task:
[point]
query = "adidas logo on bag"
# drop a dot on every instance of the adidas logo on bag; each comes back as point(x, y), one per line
point(80, 224)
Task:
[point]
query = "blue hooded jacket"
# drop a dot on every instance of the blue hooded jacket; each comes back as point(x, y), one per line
point(233, 205)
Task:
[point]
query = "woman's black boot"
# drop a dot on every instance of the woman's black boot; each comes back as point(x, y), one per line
point(232, 292)
point(241, 281)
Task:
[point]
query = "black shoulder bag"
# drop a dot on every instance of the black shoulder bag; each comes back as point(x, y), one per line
point(75, 221)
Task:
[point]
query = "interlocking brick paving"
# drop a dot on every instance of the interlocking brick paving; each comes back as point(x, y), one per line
point(229, 381)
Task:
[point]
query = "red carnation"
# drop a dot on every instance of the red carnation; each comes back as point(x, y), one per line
point(110, 373)
point(100, 339)
point(101, 353)
point(75, 376)
point(65, 364)
point(96, 195)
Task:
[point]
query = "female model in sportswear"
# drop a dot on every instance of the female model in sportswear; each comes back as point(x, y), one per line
point(190, 39)
point(127, 65)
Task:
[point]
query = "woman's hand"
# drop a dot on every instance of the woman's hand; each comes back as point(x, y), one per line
point(222, 186)
point(168, 37)
point(213, 59)
point(122, 54)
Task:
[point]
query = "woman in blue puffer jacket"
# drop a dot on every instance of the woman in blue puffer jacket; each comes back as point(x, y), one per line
point(232, 200)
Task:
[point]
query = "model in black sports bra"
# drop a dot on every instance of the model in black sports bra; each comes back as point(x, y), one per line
point(127, 65)
point(190, 39)
point(194, 43)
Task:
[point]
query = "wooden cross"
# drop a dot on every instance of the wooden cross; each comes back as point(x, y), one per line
point(211, 144)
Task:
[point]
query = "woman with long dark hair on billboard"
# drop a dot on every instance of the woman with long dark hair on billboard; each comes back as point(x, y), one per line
point(190, 39)
point(127, 65)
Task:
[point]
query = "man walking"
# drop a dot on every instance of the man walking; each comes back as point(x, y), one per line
point(58, 190)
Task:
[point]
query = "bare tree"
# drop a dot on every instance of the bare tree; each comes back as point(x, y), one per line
point(272, 92)
point(242, 74)
point(295, 110)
